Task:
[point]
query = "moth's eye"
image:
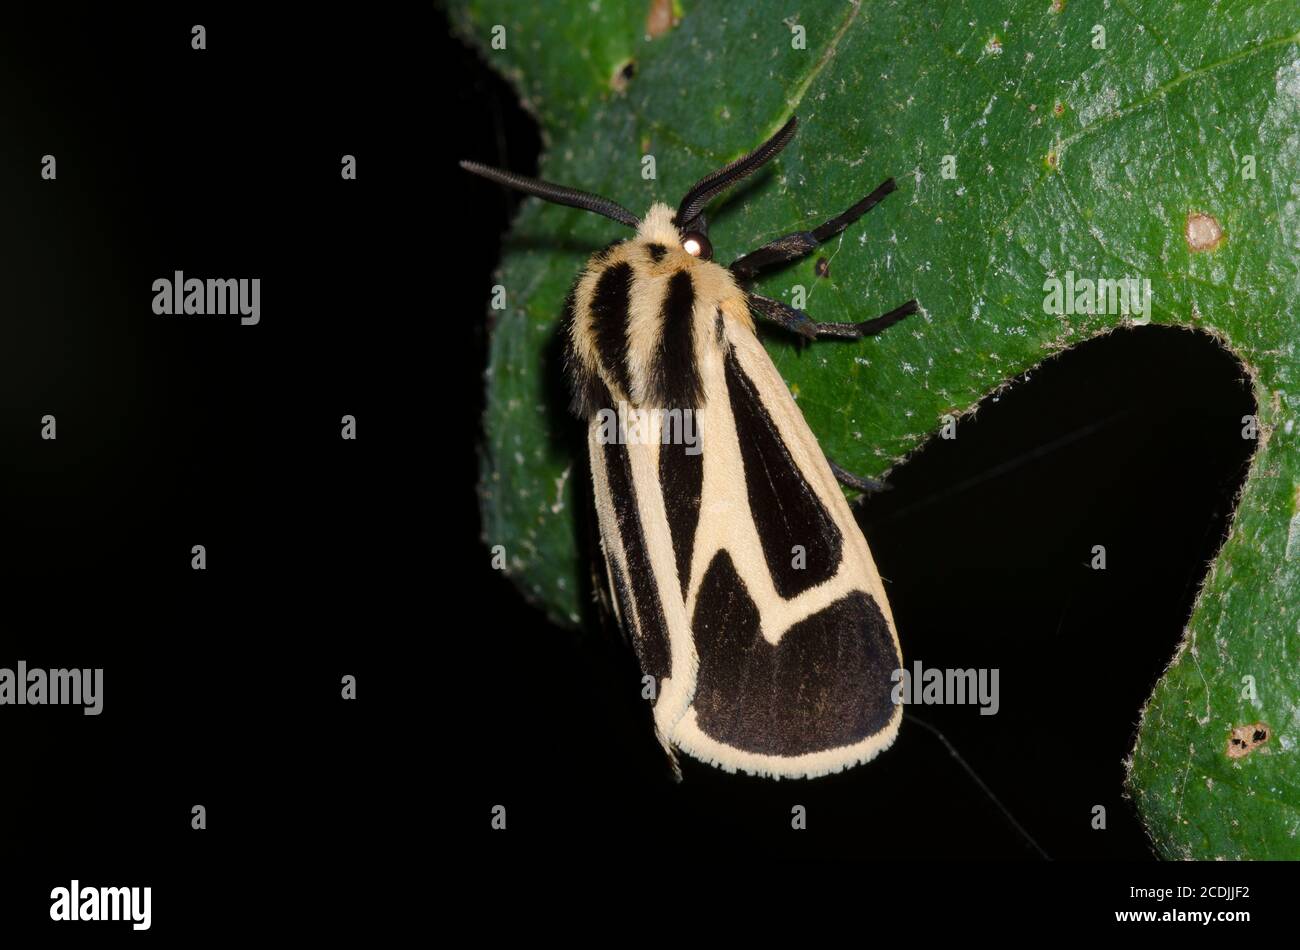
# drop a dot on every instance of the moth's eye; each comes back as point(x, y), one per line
point(697, 245)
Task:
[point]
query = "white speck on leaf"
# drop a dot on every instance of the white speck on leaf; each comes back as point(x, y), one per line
point(558, 506)
point(1105, 102)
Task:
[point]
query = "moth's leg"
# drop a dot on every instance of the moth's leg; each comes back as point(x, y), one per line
point(856, 331)
point(783, 315)
point(796, 245)
point(847, 478)
point(796, 321)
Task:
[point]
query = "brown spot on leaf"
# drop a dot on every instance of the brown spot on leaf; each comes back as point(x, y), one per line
point(1058, 110)
point(660, 19)
point(1246, 739)
point(823, 267)
point(1058, 6)
point(1202, 232)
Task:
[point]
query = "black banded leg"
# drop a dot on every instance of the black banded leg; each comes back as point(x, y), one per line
point(796, 245)
point(796, 321)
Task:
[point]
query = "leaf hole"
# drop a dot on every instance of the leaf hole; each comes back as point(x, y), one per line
point(622, 76)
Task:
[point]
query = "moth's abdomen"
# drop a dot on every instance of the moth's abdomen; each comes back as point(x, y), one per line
point(641, 321)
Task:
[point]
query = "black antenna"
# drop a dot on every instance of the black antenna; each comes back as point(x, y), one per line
point(708, 187)
point(557, 194)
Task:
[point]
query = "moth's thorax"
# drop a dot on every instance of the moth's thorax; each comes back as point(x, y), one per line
point(646, 321)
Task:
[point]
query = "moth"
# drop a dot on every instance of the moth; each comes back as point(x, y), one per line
point(733, 561)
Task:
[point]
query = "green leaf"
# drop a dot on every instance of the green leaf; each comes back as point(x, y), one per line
point(1068, 158)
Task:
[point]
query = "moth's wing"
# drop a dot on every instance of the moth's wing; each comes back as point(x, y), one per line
point(794, 640)
point(641, 564)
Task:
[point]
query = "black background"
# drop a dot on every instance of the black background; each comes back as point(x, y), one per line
point(221, 687)
point(328, 557)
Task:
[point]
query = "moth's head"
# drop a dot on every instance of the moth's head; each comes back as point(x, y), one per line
point(686, 227)
point(659, 226)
